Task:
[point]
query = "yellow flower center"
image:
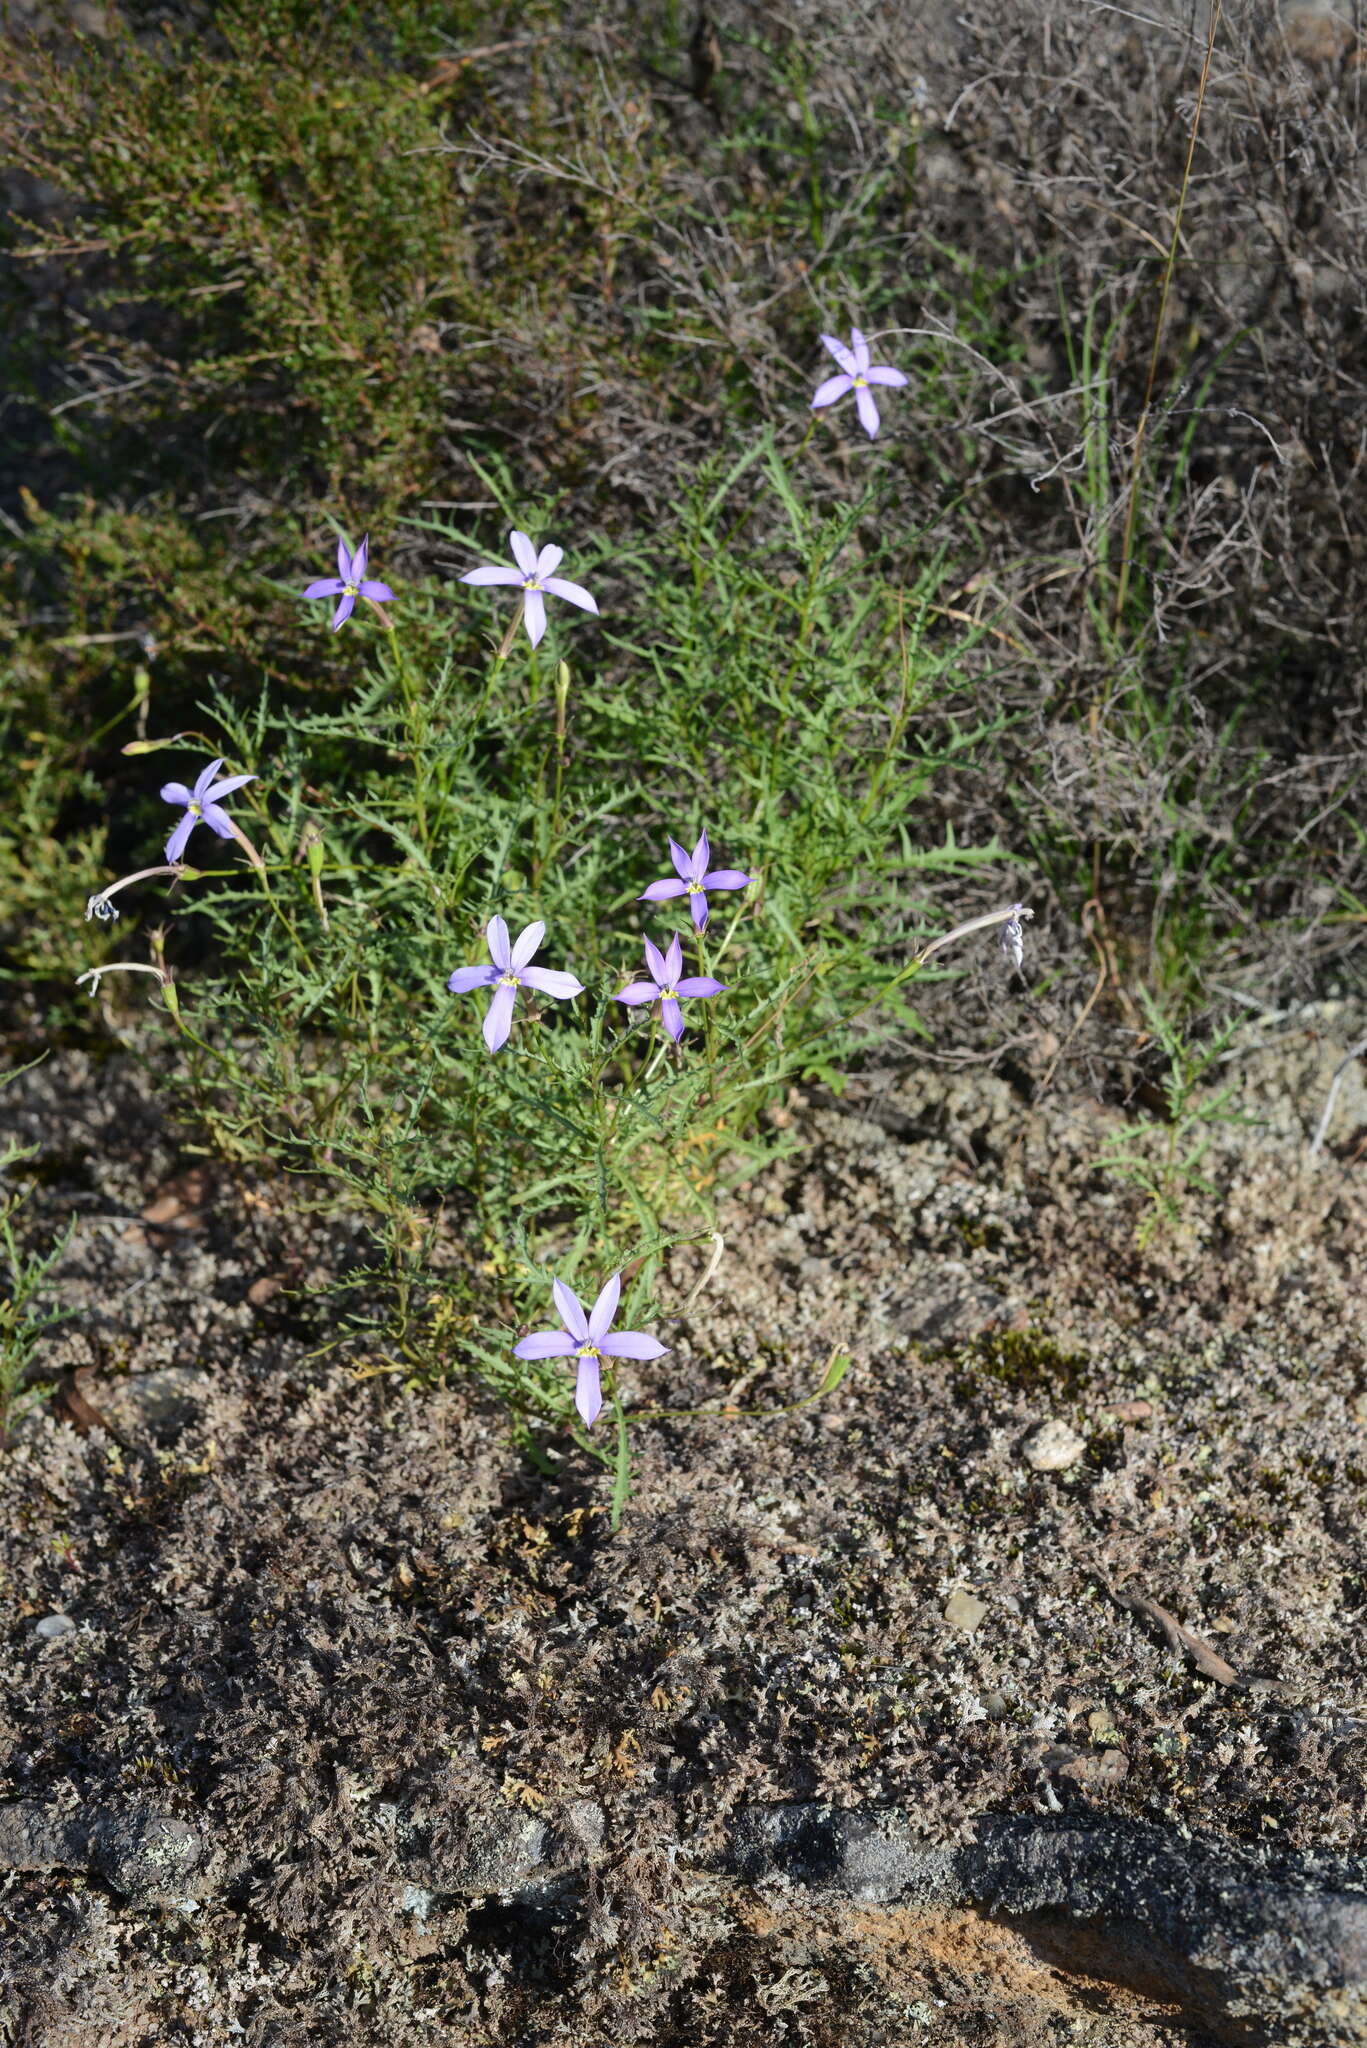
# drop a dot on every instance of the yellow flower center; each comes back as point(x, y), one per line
point(668, 995)
point(194, 808)
point(508, 979)
point(588, 1351)
point(351, 590)
point(532, 584)
point(695, 889)
point(861, 383)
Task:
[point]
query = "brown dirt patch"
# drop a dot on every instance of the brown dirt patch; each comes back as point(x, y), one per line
point(346, 1632)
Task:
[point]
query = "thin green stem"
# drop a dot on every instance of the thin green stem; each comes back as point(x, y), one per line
point(709, 1021)
point(899, 719)
point(415, 732)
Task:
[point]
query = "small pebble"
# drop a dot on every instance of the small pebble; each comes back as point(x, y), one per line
point(1089, 1770)
point(1053, 1448)
point(54, 1625)
point(964, 1611)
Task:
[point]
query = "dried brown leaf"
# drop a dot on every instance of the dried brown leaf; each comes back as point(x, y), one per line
point(1207, 1661)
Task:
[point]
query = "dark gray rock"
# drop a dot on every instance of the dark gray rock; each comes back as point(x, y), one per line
point(873, 1858)
point(501, 1855)
point(1249, 1951)
point(1252, 1954)
point(498, 1853)
point(151, 1858)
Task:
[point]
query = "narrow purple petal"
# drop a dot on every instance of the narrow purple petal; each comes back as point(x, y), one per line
point(466, 978)
point(378, 593)
point(358, 561)
point(868, 412)
point(656, 893)
point(572, 1309)
point(218, 820)
point(698, 859)
point(840, 352)
point(528, 940)
point(552, 981)
point(524, 554)
point(493, 574)
point(496, 937)
point(326, 586)
point(673, 961)
point(883, 373)
point(574, 592)
point(588, 1391)
point(176, 793)
point(726, 878)
point(343, 611)
point(546, 1344)
point(176, 844)
point(343, 560)
point(683, 861)
point(655, 961)
point(833, 388)
point(637, 992)
point(605, 1308)
point(671, 1016)
point(631, 1344)
point(859, 348)
point(498, 1018)
point(534, 616)
point(548, 561)
point(699, 985)
point(204, 780)
point(226, 787)
point(698, 909)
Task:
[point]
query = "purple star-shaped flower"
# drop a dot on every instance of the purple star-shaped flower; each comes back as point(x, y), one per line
point(856, 375)
point(533, 572)
point(668, 987)
point(589, 1338)
point(508, 974)
point(350, 582)
point(694, 880)
point(201, 804)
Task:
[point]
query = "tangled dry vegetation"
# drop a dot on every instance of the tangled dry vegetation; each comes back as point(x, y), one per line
point(599, 260)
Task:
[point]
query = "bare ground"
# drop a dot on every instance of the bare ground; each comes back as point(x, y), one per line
point(449, 1761)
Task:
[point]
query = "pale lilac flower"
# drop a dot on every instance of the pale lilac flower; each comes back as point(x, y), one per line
point(95, 975)
point(508, 974)
point(667, 987)
point(202, 804)
point(856, 375)
point(350, 582)
point(694, 880)
point(589, 1339)
point(533, 574)
point(102, 904)
point(1013, 936)
point(1012, 919)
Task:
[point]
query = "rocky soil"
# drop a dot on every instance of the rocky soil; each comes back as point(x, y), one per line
point(1014, 1693)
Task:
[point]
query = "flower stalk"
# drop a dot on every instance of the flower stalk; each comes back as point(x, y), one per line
point(102, 906)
